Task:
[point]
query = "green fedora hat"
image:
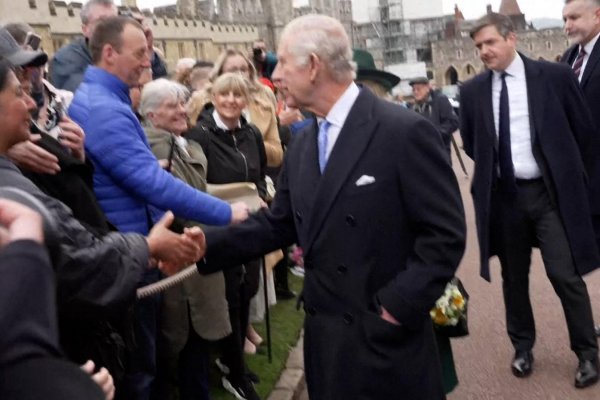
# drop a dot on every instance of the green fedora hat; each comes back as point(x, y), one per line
point(366, 70)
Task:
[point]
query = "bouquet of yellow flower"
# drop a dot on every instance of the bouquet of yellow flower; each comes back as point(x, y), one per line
point(450, 312)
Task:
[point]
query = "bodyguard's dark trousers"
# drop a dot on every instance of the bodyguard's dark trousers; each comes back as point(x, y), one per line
point(518, 223)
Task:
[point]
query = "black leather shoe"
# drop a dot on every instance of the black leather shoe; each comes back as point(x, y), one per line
point(522, 364)
point(284, 294)
point(597, 330)
point(587, 373)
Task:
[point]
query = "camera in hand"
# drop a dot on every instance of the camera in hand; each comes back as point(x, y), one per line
point(257, 52)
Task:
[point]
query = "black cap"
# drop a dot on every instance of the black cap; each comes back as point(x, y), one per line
point(419, 80)
point(18, 56)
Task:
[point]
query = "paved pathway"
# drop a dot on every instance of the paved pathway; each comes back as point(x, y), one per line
point(483, 358)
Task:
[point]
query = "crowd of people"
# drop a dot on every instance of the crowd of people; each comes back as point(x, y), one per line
point(107, 162)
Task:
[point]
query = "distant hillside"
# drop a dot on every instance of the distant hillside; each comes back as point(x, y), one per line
point(543, 23)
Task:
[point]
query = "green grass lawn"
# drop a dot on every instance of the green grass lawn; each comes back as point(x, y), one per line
point(286, 323)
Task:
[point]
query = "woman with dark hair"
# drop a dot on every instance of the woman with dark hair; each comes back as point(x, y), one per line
point(29, 346)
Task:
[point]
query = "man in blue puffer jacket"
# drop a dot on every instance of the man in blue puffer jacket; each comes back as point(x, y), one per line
point(128, 180)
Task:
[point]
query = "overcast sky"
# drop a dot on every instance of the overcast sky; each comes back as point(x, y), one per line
point(470, 8)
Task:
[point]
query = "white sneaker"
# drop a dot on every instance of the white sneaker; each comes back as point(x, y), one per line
point(222, 367)
point(243, 391)
point(298, 271)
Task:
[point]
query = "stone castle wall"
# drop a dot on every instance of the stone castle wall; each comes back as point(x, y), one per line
point(460, 54)
point(58, 23)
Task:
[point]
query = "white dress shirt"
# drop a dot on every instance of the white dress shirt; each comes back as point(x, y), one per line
point(182, 143)
point(338, 114)
point(589, 47)
point(219, 122)
point(520, 131)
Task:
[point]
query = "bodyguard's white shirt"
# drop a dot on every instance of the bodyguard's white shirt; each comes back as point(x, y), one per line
point(589, 47)
point(520, 131)
point(338, 114)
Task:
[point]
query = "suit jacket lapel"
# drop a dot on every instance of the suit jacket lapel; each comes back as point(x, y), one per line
point(488, 108)
point(571, 55)
point(591, 64)
point(535, 90)
point(350, 145)
point(309, 179)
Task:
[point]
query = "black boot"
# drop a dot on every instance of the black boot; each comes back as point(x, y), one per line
point(282, 288)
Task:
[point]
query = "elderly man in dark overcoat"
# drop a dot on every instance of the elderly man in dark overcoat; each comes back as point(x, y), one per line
point(526, 126)
point(370, 196)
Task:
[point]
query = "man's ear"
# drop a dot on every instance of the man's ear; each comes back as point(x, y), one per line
point(314, 64)
point(108, 54)
point(85, 30)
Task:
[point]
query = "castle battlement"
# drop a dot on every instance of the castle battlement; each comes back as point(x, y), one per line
point(59, 22)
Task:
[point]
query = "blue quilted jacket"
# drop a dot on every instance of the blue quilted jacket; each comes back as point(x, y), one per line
point(129, 183)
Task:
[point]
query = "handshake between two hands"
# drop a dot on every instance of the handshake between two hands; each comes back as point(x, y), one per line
point(174, 251)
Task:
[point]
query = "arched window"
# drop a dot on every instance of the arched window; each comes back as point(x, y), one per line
point(470, 70)
point(451, 76)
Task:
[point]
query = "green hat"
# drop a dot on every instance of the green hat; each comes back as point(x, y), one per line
point(366, 70)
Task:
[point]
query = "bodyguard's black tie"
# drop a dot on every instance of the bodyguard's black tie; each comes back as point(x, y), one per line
point(507, 172)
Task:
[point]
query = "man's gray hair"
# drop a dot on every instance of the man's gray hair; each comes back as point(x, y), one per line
point(325, 37)
point(86, 9)
point(157, 92)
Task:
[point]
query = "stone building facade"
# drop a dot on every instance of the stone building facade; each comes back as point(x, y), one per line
point(444, 45)
point(268, 16)
point(401, 41)
point(456, 60)
point(176, 36)
point(199, 29)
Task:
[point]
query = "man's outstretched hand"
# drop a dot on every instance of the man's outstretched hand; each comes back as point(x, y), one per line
point(174, 251)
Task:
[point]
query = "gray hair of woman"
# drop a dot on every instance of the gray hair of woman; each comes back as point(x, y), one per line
point(325, 37)
point(158, 91)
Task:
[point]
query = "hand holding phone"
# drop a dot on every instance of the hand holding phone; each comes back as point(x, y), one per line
point(33, 41)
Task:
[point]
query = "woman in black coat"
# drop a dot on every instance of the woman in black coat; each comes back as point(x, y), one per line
point(235, 152)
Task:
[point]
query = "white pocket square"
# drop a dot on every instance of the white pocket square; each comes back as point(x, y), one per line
point(365, 180)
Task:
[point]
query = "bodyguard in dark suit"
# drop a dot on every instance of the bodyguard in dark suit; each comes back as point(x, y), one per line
point(582, 25)
point(526, 126)
point(371, 198)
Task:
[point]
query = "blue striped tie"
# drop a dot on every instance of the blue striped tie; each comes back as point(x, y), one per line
point(322, 142)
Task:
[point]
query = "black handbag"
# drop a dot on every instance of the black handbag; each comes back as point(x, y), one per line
point(450, 316)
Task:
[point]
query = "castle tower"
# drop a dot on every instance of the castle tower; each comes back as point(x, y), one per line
point(129, 3)
point(277, 13)
point(458, 15)
point(511, 9)
point(186, 8)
